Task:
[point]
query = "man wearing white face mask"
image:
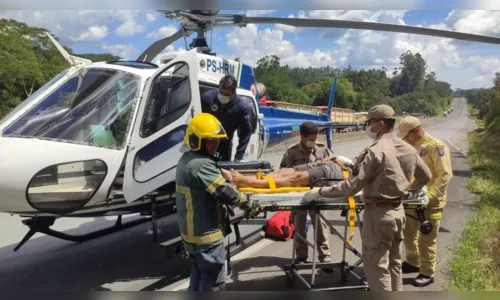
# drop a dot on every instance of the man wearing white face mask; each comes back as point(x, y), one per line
point(309, 151)
point(384, 172)
point(234, 114)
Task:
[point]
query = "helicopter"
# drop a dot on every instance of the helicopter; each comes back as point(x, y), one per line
point(104, 138)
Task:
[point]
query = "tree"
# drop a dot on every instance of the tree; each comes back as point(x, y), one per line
point(28, 60)
point(411, 73)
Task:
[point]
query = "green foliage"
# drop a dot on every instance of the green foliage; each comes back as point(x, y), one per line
point(476, 266)
point(487, 101)
point(28, 60)
point(411, 90)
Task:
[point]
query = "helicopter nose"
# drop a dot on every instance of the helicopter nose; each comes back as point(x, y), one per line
point(14, 176)
point(50, 177)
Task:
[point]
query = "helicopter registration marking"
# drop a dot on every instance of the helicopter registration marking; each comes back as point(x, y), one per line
point(220, 67)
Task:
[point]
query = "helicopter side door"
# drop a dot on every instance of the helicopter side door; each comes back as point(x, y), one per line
point(170, 99)
point(255, 145)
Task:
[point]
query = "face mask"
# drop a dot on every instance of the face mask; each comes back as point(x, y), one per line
point(311, 144)
point(372, 135)
point(224, 99)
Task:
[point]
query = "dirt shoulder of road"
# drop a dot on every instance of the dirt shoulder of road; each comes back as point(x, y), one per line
point(476, 264)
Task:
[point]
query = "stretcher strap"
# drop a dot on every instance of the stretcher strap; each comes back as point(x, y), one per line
point(272, 184)
point(275, 191)
point(352, 211)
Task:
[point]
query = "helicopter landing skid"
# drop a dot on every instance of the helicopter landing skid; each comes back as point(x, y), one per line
point(42, 225)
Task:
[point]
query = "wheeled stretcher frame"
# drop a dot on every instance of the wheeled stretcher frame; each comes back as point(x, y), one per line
point(353, 207)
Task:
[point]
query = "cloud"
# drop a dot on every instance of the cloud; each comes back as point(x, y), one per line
point(79, 25)
point(256, 13)
point(126, 51)
point(93, 33)
point(250, 44)
point(476, 21)
point(162, 32)
point(375, 49)
point(150, 17)
point(69, 26)
point(288, 28)
point(130, 27)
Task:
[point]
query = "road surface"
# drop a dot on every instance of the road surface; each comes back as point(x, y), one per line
point(129, 261)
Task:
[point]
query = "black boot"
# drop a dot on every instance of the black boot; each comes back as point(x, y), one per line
point(422, 280)
point(407, 268)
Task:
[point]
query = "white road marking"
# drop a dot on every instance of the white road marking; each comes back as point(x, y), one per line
point(457, 132)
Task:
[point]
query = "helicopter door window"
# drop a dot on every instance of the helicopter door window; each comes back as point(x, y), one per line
point(250, 102)
point(170, 98)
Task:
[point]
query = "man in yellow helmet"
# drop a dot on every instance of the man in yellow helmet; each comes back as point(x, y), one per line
point(201, 192)
point(421, 248)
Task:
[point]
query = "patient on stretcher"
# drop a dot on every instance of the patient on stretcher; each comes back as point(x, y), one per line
point(298, 176)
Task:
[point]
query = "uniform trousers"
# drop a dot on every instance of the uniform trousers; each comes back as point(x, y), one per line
point(421, 248)
point(322, 243)
point(382, 237)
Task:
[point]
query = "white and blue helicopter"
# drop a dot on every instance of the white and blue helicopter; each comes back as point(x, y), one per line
point(99, 138)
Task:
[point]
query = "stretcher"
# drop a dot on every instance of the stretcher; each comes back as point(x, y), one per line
point(292, 199)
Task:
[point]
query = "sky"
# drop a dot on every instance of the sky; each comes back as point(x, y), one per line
point(128, 33)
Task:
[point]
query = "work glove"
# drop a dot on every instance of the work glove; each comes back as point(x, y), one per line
point(310, 196)
point(251, 209)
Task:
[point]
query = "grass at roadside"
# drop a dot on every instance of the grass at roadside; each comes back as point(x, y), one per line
point(476, 267)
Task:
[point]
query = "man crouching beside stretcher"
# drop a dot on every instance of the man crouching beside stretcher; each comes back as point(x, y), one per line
point(298, 176)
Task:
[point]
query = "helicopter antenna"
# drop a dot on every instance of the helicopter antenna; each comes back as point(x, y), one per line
point(211, 37)
point(73, 60)
point(185, 37)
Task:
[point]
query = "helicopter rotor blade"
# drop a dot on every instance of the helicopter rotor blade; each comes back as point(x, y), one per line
point(152, 51)
point(324, 23)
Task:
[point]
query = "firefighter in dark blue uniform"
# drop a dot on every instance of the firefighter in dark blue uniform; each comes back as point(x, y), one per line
point(234, 114)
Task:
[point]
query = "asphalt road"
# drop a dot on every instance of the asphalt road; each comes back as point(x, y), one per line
point(129, 261)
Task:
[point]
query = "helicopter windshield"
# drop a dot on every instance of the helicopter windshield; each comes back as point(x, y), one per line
point(91, 107)
point(33, 96)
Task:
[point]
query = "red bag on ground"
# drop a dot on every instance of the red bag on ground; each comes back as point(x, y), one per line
point(279, 226)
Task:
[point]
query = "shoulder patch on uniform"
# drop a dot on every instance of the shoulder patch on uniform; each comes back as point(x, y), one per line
point(355, 170)
point(441, 150)
point(319, 154)
point(423, 151)
point(361, 156)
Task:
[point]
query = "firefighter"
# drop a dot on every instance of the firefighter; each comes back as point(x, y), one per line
point(201, 192)
point(421, 248)
point(384, 172)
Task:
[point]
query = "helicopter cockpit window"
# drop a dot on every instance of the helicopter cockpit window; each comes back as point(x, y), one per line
point(91, 107)
point(169, 99)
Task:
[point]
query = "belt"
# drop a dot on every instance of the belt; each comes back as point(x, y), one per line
point(385, 203)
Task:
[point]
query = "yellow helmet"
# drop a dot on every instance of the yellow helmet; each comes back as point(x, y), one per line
point(203, 126)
